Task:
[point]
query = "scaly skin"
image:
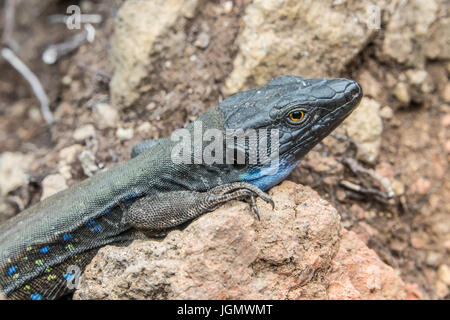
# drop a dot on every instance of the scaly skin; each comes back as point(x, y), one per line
point(40, 246)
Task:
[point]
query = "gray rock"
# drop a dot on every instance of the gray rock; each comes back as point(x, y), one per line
point(105, 116)
point(144, 34)
point(84, 133)
point(52, 184)
point(13, 171)
point(309, 38)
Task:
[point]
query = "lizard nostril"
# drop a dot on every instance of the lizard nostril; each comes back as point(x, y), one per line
point(354, 92)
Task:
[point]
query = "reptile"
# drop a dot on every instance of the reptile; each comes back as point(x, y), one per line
point(42, 247)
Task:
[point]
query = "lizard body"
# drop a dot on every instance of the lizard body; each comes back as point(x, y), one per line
point(40, 247)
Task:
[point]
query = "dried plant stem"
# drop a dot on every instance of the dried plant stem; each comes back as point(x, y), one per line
point(34, 82)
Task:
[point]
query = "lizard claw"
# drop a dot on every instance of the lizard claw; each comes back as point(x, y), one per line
point(254, 207)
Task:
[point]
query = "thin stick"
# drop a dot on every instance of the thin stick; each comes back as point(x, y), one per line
point(34, 82)
point(9, 16)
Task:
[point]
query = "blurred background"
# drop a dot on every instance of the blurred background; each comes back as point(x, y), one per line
point(81, 82)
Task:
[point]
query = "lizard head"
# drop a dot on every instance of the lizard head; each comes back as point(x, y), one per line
point(303, 110)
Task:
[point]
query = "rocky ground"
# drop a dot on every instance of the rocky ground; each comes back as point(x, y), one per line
point(156, 65)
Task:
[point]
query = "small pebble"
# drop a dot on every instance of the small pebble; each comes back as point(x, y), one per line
point(444, 274)
point(202, 40)
point(228, 7)
point(69, 154)
point(445, 120)
point(84, 133)
point(446, 93)
point(401, 92)
point(52, 184)
point(386, 112)
point(398, 187)
point(441, 289)
point(105, 116)
point(88, 164)
point(124, 134)
point(145, 129)
point(447, 146)
point(422, 186)
point(13, 171)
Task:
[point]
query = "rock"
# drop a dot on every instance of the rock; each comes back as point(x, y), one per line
point(228, 254)
point(139, 43)
point(441, 289)
point(407, 31)
point(447, 146)
point(438, 46)
point(444, 107)
point(202, 40)
point(413, 291)
point(308, 38)
point(445, 120)
point(189, 8)
point(417, 241)
point(69, 154)
point(322, 164)
point(125, 134)
point(386, 112)
point(13, 171)
point(398, 187)
point(65, 171)
point(444, 274)
point(145, 129)
point(419, 82)
point(372, 87)
point(401, 92)
point(84, 133)
point(88, 164)
point(105, 116)
point(364, 126)
point(446, 93)
point(421, 187)
point(433, 258)
point(358, 273)
point(417, 77)
point(52, 184)
point(227, 7)
point(363, 230)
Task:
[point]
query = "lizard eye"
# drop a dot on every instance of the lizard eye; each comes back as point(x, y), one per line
point(296, 116)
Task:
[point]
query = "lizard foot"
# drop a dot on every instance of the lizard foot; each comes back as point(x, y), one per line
point(239, 191)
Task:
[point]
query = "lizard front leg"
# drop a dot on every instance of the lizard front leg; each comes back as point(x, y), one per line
point(170, 209)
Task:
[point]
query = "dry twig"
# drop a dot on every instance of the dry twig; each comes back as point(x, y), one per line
point(34, 82)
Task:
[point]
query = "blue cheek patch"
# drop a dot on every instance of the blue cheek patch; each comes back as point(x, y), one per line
point(261, 178)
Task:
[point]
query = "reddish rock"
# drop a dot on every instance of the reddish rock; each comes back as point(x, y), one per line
point(445, 120)
point(413, 291)
point(358, 273)
point(296, 251)
point(422, 186)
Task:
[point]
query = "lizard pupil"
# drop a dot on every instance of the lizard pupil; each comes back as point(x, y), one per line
point(296, 116)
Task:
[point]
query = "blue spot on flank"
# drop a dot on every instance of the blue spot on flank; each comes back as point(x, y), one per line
point(107, 211)
point(67, 236)
point(91, 223)
point(36, 296)
point(69, 276)
point(12, 270)
point(45, 249)
point(97, 228)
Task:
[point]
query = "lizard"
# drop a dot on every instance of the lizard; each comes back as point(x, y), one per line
point(43, 248)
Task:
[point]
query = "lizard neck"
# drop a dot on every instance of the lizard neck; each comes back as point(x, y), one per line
point(269, 175)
